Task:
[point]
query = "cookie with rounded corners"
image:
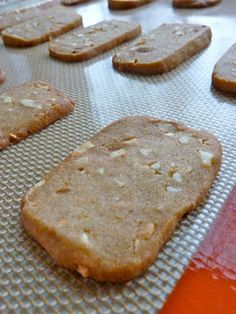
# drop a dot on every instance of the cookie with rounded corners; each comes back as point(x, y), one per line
point(126, 4)
point(194, 4)
point(163, 49)
point(72, 2)
point(20, 15)
point(43, 28)
point(86, 43)
point(224, 74)
point(109, 207)
point(28, 108)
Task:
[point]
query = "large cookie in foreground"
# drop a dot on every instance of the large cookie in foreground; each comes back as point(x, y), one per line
point(163, 49)
point(108, 208)
point(28, 108)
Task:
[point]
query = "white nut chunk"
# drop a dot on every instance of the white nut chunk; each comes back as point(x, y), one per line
point(207, 158)
point(177, 177)
point(84, 238)
point(84, 147)
point(118, 153)
point(145, 231)
point(6, 99)
point(173, 189)
point(145, 151)
point(30, 103)
point(156, 166)
point(184, 139)
point(101, 171)
point(119, 182)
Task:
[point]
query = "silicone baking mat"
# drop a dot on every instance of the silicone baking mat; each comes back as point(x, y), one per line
point(30, 282)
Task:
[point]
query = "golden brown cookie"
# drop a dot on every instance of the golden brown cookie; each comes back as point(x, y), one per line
point(126, 4)
point(108, 208)
point(224, 74)
point(86, 43)
point(163, 49)
point(28, 108)
point(38, 30)
point(194, 4)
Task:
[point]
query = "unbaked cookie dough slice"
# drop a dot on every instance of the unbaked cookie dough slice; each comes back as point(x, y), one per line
point(84, 44)
point(38, 30)
point(109, 207)
point(163, 49)
point(28, 108)
point(126, 4)
point(20, 15)
point(224, 74)
point(194, 4)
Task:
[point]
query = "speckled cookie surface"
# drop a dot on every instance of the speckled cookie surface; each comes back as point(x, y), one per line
point(108, 208)
point(28, 108)
point(86, 43)
point(224, 74)
point(194, 4)
point(56, 21)
point(20, 15)
point(163, 49)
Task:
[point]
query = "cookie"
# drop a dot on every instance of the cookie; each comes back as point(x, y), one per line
point(38, 30)
point(224, 74)
point(126, 4)
point(109, 207)
point(72, 2)
point(20, 15)
point(28, 108)
point(163, 49)
point(195, 4)
point(2, 77)
point(86, 43)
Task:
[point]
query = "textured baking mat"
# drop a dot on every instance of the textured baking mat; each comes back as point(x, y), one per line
point(30, 282)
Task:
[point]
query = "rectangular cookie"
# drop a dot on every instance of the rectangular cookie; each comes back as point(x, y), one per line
point(194, 4)
point(126, 4)
point(20, 15)
point(73, 2)
point(84, 44)
point(109, 207)
point(38, 30)
point(28, 108)
point(163, 49)
point(224, 74)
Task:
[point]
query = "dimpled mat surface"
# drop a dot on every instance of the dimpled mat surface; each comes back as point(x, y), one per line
point(30, 282)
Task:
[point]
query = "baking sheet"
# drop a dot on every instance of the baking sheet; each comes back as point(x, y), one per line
point(30, 282)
